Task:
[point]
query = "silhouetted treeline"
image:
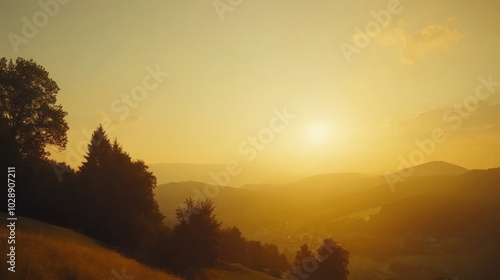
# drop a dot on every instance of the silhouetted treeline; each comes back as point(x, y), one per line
point(193, 242)
point(263, 257)
point(115, 200)
point(328, 261)
point(110, 197)
point(30, 121)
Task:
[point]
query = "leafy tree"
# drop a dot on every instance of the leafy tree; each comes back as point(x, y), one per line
point(329, 261)
point(30, 119)
point(263, 257)
point(195, 237)
point(255, 255)
point(117, 202)
point(39, 193)
point(272, 258)
point(232, 246)
point(334, 261)
point(302, 255)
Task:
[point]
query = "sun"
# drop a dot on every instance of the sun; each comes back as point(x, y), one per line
point(318, 133)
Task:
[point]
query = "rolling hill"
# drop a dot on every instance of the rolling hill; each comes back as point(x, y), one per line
point(433, 169)
point(267, 212)
point(340, 184)
point(331, 185)
point(442, 212)
point(231, 203)
point(250, 174)
point(178, 172)
point(48, 252)
point(259, 208)
point(226, 271)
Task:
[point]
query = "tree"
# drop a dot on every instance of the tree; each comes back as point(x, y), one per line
point(195, 237)
point(303, 254)
point(334, 261)
point(232, 246)
point(255, 255)
point(272, 258)
point(30, 119)
point(329, 261)
point(262, 257)
point(117, 202)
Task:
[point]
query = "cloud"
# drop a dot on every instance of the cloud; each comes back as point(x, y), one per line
point(484, 120)
point(430, 38)
point(415, 45)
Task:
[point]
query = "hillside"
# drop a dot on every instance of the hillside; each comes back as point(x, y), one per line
point(340, 184)
point(200, 172)
point(48, 252)
point(178, 172)
point(258, 209)
point(231, 203)
point(454, 210)
point(226, 271)
point(434, 168)
point(319, 186)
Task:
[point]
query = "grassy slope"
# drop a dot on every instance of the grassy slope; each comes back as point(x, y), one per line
point(47, 252)
point(234, 272)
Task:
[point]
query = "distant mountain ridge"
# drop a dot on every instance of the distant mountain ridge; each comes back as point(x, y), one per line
point(255, 178)
point(178, 172)
point(216, 173)
point(434, 168)
point(453, 207)
point(349, 183)
point(333, 194)
point(333, 184)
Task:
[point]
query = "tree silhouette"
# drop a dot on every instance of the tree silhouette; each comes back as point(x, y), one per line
point(232, 246)
point(334, 261)
point(303, 254)
point(272, 257)
point(195, 237)
point(30, 119)
point(117, 202)
point(329, 261)
point(235, 248)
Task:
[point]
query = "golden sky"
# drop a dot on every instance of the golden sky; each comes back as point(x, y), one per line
point(362, 82)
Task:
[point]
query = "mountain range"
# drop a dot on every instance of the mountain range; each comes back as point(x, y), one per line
point(441, 208)
point(337, 194)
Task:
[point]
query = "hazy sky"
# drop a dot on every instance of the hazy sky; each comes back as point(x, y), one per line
point(357, 96)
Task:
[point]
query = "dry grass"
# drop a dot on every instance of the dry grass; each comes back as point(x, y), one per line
point(46, 252)
point(227, 271)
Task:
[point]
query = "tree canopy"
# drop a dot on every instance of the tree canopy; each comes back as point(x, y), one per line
point(30, 119)
point(234, 248)
point(195, 237)
point(110, 197)
point(328, 261)
point(117, 201)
